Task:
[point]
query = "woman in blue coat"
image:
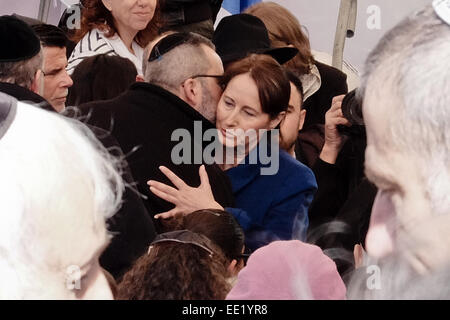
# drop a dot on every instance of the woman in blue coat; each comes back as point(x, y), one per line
point(272, 190)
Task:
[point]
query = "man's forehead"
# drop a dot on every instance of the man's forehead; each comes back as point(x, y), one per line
point(214, 60)
point(55, 57)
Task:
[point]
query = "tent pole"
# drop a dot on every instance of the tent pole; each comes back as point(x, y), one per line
point(345, 29)
point(44, 9)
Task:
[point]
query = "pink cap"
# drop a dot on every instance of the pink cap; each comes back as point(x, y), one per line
point(289, 270)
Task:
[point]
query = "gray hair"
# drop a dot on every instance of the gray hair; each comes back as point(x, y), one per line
point(414, 59)
point(393, 278)
point(179, 64)
point(21, 73)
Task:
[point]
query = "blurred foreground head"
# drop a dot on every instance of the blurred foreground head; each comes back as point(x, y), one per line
point(288, 270)
point(406, 109)
point(58, 185)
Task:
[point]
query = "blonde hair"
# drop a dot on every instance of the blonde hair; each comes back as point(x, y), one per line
point(284, 29)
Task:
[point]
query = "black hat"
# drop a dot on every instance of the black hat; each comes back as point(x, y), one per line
point(8, 106)
point(19, 42)
point(238, 35)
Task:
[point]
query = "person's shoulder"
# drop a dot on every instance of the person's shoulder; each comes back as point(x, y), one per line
point(330, 73)
point(93, 42)
point(294, 169)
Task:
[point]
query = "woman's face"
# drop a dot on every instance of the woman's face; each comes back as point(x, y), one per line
point(133, 15)
point(240, 108)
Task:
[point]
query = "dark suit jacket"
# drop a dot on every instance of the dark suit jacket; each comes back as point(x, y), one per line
point(142, 120)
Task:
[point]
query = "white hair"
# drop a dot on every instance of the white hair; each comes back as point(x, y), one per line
point(393, 278)
point(413, 58)
point(54, 173)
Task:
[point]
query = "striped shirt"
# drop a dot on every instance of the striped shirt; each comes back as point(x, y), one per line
point(95, 42)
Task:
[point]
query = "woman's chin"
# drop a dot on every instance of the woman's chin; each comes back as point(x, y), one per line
point(139, 26)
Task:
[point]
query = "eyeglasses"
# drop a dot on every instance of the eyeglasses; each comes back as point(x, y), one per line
point(206, 76)
point(244, 256)
point(218, 77)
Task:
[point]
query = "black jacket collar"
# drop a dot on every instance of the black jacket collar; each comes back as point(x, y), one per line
point(25, 95)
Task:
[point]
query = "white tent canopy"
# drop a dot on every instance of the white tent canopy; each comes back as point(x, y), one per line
point(320, 18)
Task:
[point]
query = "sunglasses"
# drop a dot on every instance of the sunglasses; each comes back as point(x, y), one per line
point(244, 256)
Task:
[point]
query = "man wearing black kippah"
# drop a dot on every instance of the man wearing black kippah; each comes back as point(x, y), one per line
point(180, 93)
point(21, 62)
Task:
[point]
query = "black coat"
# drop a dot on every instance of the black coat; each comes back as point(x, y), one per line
point(346, 196)
point(142, 120)
point(131, 227)
point(334, 83)
point(25, 95)
point(311, 137)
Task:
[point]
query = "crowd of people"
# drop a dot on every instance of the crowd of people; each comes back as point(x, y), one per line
point(150, 156)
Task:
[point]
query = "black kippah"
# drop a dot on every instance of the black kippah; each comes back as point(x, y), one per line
point(168, 43)
point(18, 40)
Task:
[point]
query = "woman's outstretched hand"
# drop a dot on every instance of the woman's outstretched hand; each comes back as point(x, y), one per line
point(185, 198)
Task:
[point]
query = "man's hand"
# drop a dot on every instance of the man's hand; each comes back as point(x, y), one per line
point(334, 141)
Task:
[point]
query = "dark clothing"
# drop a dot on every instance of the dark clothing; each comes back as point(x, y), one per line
point(178, 12)
point(309, 144)
point(311, 137)
point(132, 227)
point(25, 95)
point(344, 196)
point(142, 120)
point(334, 83)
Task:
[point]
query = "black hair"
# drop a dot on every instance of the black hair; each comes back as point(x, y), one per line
point(100, 77)
point(295, 81)
point(50, 36)
point(219, 226)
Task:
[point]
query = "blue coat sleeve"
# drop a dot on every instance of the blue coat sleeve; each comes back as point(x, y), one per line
point(242, 218)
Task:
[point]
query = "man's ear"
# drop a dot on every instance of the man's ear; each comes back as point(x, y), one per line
point(107, 4)
point(140, 78)
point(302, 119)
point(37, 85)
point(191, 92)
point(277, 120)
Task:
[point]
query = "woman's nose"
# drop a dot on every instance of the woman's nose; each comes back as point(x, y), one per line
point(232, 120)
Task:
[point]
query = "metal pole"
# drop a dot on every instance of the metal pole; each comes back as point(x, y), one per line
point(345, 29)
point(44, 9)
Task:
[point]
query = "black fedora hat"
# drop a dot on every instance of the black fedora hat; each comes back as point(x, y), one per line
point(238, 35)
